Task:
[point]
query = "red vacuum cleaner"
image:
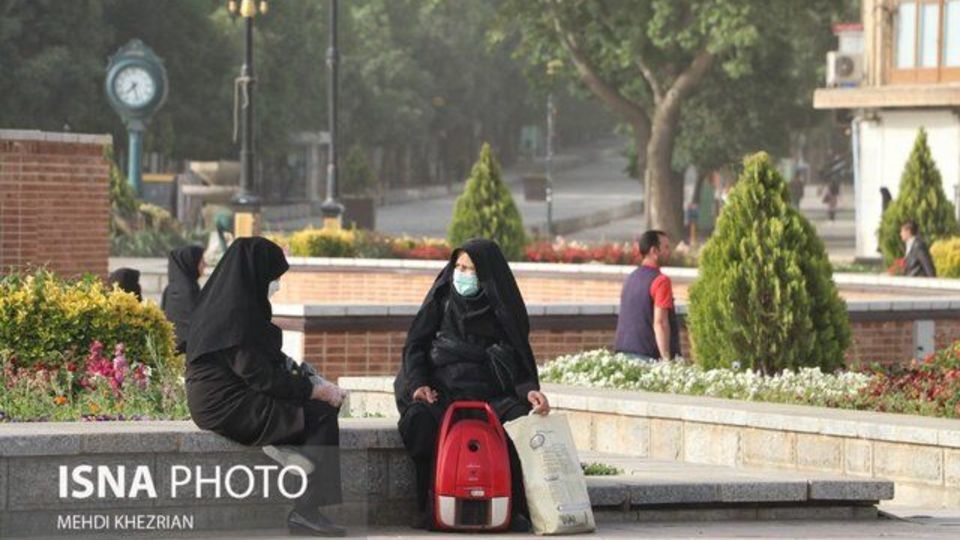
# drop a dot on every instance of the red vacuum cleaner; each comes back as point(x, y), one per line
point(472, 486)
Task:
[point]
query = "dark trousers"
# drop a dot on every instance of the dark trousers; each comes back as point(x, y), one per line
point(320, 443)
point(420, 426)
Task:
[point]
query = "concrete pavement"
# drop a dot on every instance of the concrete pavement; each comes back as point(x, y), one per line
point(894, 527)
point(580, 191)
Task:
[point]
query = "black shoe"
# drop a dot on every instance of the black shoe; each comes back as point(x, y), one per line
point(424, 521)
point(519, 523)
point(299, 525)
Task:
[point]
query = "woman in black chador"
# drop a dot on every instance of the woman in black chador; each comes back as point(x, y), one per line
point(468, 342)
point(240, 384)
point(184, 268)
point(128, 280)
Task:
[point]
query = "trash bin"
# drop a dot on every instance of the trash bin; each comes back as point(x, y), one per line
point(535, 187)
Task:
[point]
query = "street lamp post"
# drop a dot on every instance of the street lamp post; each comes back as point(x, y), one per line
point(331, 209)
point(552, 67)
point(549, 165)
point(246, 203)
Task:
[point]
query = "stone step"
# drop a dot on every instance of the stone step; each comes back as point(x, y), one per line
point(656, 490)
point(378, 483)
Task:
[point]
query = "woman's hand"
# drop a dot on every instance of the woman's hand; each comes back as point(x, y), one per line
point(425, 393)
point(539, 402)
point(329, 393)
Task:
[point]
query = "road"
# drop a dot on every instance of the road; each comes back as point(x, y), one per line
point(586, 189)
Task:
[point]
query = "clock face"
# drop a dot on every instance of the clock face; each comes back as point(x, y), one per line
point(134, 86)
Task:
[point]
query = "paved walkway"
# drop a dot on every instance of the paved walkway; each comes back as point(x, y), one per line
point(839, 235)
point(943, 527)
point(579, 191)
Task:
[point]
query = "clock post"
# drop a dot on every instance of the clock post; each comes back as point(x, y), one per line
point(136, 87)
point(135, 131)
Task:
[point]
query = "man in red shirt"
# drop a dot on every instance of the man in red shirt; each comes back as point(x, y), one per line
point(647, 324)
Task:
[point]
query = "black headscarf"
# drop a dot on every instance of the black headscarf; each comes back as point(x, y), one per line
point(128, 280)
point(233, 308)
point(500, 287)
point(182, 291)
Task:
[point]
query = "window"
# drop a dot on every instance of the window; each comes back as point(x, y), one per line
point(926, 42)
point(951, 34)
point(906, 35)
point(929, 27)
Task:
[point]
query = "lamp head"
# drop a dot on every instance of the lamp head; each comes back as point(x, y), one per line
point(248, 8)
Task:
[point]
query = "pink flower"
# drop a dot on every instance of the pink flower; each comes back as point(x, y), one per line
point(120, 365)
point(141, 374)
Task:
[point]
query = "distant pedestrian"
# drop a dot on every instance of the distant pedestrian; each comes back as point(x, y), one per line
point(796, 191)
point(647, 326)
point(885, 198)
point(184, 267)
point(128, 280)
point(831, 194)
point(917, 261)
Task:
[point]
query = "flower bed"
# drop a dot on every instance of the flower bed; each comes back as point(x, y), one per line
point(370, 245)
point(99, 386)
point(610, 370)
point(55, 336)
point(311, 242)
point(930, 388)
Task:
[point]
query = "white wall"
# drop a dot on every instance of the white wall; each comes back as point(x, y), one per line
point(293, 344)
point(885, 145)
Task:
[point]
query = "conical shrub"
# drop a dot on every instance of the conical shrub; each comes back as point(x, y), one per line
point(765, 297)
point(486, 210)
point(921, 198)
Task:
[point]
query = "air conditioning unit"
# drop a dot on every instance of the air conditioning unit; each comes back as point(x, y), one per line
point(844, 69)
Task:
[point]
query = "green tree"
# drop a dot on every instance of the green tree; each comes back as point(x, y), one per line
point(52, 57)
point(201, 61)
point(486, 210)
point(646, 61)
point(921, 199)
point(765, 296)
point(420, 86)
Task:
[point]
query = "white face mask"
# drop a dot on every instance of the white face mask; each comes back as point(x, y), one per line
point(273, 288)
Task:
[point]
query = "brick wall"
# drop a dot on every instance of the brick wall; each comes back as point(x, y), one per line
point(376, 348)
point(946, 331)
point(323, 285)
point(884, 342)
point(359, 353)
point(54, 202)
point(345, 287)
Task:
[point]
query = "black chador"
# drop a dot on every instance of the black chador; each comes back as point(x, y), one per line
point(182, 291)
point(128, 280)
point(237, 381)
point(472, 347)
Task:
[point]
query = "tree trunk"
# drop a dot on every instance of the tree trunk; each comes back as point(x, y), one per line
point(641, 137)
point(664, 195)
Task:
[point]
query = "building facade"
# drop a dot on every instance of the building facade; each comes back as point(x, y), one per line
point(896, 72)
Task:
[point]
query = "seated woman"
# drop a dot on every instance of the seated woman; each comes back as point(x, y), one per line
point(184, 267)
point(128, 280)
point(240, 386)
point(469, 341)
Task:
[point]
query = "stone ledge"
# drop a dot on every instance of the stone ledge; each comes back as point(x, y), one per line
point(899, 309)
point(377, 478)
point(650, 482)
point(887, 427)
point(75, 438)
point(610, 270)
point(48, 136)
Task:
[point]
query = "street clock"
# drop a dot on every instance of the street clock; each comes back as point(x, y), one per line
point(136, 86)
